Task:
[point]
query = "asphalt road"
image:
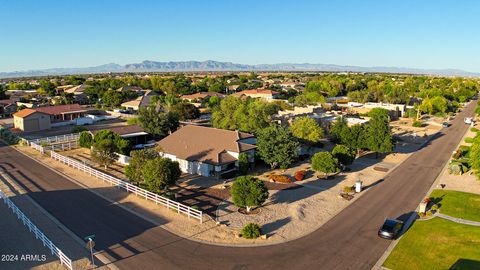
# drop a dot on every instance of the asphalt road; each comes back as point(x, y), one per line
point(348, 241)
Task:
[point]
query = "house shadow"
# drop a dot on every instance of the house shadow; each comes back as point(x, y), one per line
point(85, 213)
point(465, 264)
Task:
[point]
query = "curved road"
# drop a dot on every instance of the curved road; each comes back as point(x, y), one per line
point(348, 241)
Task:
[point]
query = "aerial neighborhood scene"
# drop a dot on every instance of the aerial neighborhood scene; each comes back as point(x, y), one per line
point(240, 135)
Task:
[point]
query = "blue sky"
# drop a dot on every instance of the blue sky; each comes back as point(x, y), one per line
point(422, 34)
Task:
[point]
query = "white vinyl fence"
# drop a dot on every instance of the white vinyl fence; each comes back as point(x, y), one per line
point(176, 206)
point(57, 139)
point(60, 146)
point(38, 234)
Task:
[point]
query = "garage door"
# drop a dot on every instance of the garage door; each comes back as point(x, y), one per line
point(31, 124)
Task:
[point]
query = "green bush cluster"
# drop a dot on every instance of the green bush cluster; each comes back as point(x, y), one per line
point(251, 231)
point(8, 136)
point(417, 124)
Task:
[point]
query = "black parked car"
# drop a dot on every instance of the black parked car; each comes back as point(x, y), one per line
point(391, 229)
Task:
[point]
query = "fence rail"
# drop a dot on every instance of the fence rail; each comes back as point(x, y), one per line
point(57, 139)
point(38, 234)
point(176, 206)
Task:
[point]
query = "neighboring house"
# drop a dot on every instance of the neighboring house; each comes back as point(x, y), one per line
point(7, 107)
point(133, 133)
point(201, 95)
point(257, 93)
point(29, 120)
point(207, 151)
point(136, 89)
point(139, 102)
point(233, 88)
point(78, 93)
point(286, 85)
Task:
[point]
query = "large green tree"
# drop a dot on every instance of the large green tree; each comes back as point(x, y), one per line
point(377, 135)
point(185, 111)
point(344, 154)
point(325, 162)
point(160, 172)
point(248, 192)
point(247, 115)
point(306, 130)
point(277, 146)
point(159, 124)
point(139, 158)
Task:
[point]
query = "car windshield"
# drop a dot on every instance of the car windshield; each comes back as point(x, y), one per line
point(388, 225)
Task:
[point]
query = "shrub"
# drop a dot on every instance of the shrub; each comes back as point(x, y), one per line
point(299, 175)
point(251, 231)
point(473, 129)
point(434, 207)
point(78, 129)
point(8, 136)
point(469, 140)
point(421, 214)
point(348, 189)
point(417, 124)
point(280, 178)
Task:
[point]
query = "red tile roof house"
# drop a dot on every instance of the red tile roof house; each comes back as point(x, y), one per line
point(42, 118)
point(207, 151)
point(257, 93)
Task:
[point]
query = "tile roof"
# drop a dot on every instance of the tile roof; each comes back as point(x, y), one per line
point(201, 95)
point(255, 92)
point(61, 109)
point(52, 110)
point(205, 144)
point(123, 130)
point(24, 113)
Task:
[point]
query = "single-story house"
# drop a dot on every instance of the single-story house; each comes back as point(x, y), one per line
point(201, 95)
point(207, 151)
point(139, 102)
point(36, 119)
point(78, 93)
point(7, 107)
point(257, 93)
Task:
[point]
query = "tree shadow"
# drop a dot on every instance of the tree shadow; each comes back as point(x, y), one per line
point(272, 227)
point(465, 264)
point(293, 194)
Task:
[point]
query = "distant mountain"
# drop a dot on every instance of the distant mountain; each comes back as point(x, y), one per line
point(179, 66)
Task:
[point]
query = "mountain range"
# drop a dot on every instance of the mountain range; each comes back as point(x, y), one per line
point(209, 65)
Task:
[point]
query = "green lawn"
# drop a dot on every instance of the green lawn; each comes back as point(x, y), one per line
point(458, 204)
point(437, 244)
